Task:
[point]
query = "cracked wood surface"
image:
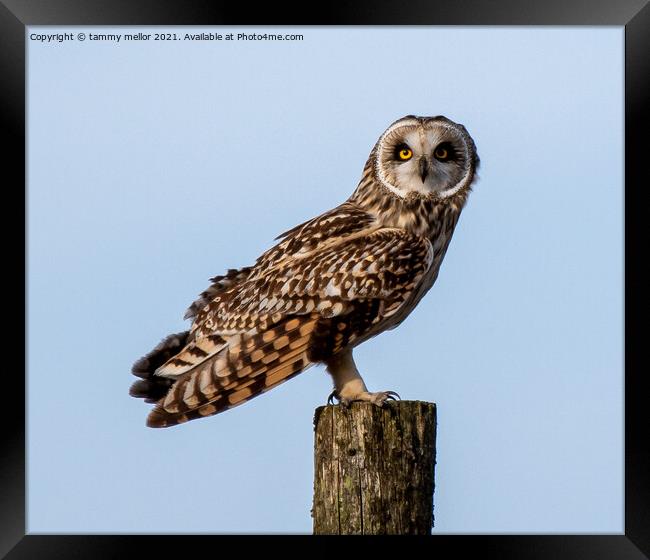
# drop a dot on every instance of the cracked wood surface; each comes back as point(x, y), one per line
point(374, 468)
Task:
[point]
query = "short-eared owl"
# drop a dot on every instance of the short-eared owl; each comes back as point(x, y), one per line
point(328, 285)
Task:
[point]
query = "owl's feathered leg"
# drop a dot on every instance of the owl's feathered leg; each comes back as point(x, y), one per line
point(348, 383)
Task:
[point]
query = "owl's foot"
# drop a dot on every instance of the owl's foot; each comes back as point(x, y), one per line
point(348, 384)
point(378, 398)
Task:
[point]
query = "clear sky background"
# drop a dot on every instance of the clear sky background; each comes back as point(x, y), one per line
point(156, 165)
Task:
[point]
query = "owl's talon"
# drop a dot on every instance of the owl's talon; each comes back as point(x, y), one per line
point(341, 400)
point(378, 399)
point(382, 397)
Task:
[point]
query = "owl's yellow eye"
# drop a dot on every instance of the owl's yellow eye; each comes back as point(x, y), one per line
point(405, 153)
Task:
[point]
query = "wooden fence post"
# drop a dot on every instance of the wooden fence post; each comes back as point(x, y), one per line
point(374, 468)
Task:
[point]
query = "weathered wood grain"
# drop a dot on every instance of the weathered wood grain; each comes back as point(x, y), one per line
point(374, 468)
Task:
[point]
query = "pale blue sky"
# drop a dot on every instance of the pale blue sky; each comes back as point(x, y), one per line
point(153, 166)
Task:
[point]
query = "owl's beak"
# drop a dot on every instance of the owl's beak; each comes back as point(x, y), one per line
point(424, 168)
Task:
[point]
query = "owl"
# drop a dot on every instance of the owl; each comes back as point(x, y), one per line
point(328, 285)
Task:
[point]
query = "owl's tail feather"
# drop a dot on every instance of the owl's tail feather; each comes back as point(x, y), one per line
point(152, 388)
point(250, 365)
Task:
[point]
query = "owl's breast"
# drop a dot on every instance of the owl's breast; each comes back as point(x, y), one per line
point(440, 244)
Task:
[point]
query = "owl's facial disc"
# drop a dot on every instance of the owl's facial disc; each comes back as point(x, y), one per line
point(430, 157)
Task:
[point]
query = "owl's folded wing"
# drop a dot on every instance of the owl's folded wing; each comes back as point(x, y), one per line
point(268, 329)
point(384, 264)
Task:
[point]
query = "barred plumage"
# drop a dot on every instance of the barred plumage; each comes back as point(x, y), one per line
point(326, 286)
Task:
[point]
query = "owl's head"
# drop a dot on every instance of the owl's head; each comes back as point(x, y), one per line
point(432, 157)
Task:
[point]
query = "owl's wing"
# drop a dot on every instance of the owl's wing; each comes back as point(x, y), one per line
point(219, 284)
point(277, 323)
point(344, 220)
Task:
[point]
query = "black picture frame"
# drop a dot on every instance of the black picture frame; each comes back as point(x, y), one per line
point(15, 15)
